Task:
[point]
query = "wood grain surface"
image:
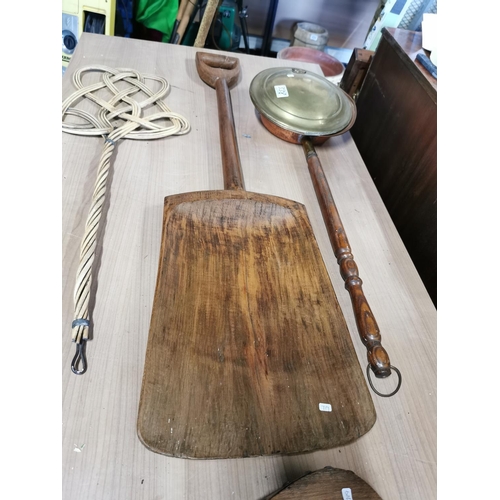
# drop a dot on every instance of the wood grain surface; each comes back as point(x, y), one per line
point(327, 484)
point(397, 457)
point(242, 273)
point(247, 338)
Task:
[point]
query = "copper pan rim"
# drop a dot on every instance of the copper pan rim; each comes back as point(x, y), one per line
point(297, 136)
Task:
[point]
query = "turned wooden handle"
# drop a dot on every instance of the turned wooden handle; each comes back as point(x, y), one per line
point(367, 326)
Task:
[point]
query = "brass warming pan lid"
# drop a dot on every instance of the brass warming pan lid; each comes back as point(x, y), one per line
point(301, 101)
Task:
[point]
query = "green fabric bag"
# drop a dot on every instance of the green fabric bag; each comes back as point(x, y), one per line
point(158, 15)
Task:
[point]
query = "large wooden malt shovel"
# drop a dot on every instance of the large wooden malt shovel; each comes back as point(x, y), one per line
point(248, 351)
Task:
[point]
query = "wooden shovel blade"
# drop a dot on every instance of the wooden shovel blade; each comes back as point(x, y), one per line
point(248, 349)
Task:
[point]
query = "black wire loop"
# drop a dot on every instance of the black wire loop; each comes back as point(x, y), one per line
point(79, 357)
point(400, 379)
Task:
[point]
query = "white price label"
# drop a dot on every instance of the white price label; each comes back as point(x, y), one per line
point(346, 493)
point(325, 407)
point(281, 91)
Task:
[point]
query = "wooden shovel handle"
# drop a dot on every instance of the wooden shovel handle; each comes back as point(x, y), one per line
point(367, 326)
point(213, 67)
point(233, 175)
point(213, 70)
point(184, 21)
point(182, 8)
point(180, 13)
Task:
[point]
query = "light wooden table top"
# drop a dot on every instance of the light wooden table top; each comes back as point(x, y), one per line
point(102, 455)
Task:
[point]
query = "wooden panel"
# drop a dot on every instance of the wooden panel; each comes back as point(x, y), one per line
point(355, 72)
point(327, 484)
point(411, 43)
point(246, 338)
point(397, 457)
point(396, 133)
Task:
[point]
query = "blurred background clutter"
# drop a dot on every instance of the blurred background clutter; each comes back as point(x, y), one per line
point(258, 27)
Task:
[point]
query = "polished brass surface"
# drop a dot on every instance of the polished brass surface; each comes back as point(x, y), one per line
point(301, 101)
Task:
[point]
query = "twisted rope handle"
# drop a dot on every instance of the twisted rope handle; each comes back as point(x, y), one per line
point(119, 118)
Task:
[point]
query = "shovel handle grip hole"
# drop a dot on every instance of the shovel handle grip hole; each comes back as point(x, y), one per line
point(218, 61)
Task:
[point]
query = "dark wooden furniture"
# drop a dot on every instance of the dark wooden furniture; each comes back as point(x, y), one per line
point(396, 134)
point(355, 72)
